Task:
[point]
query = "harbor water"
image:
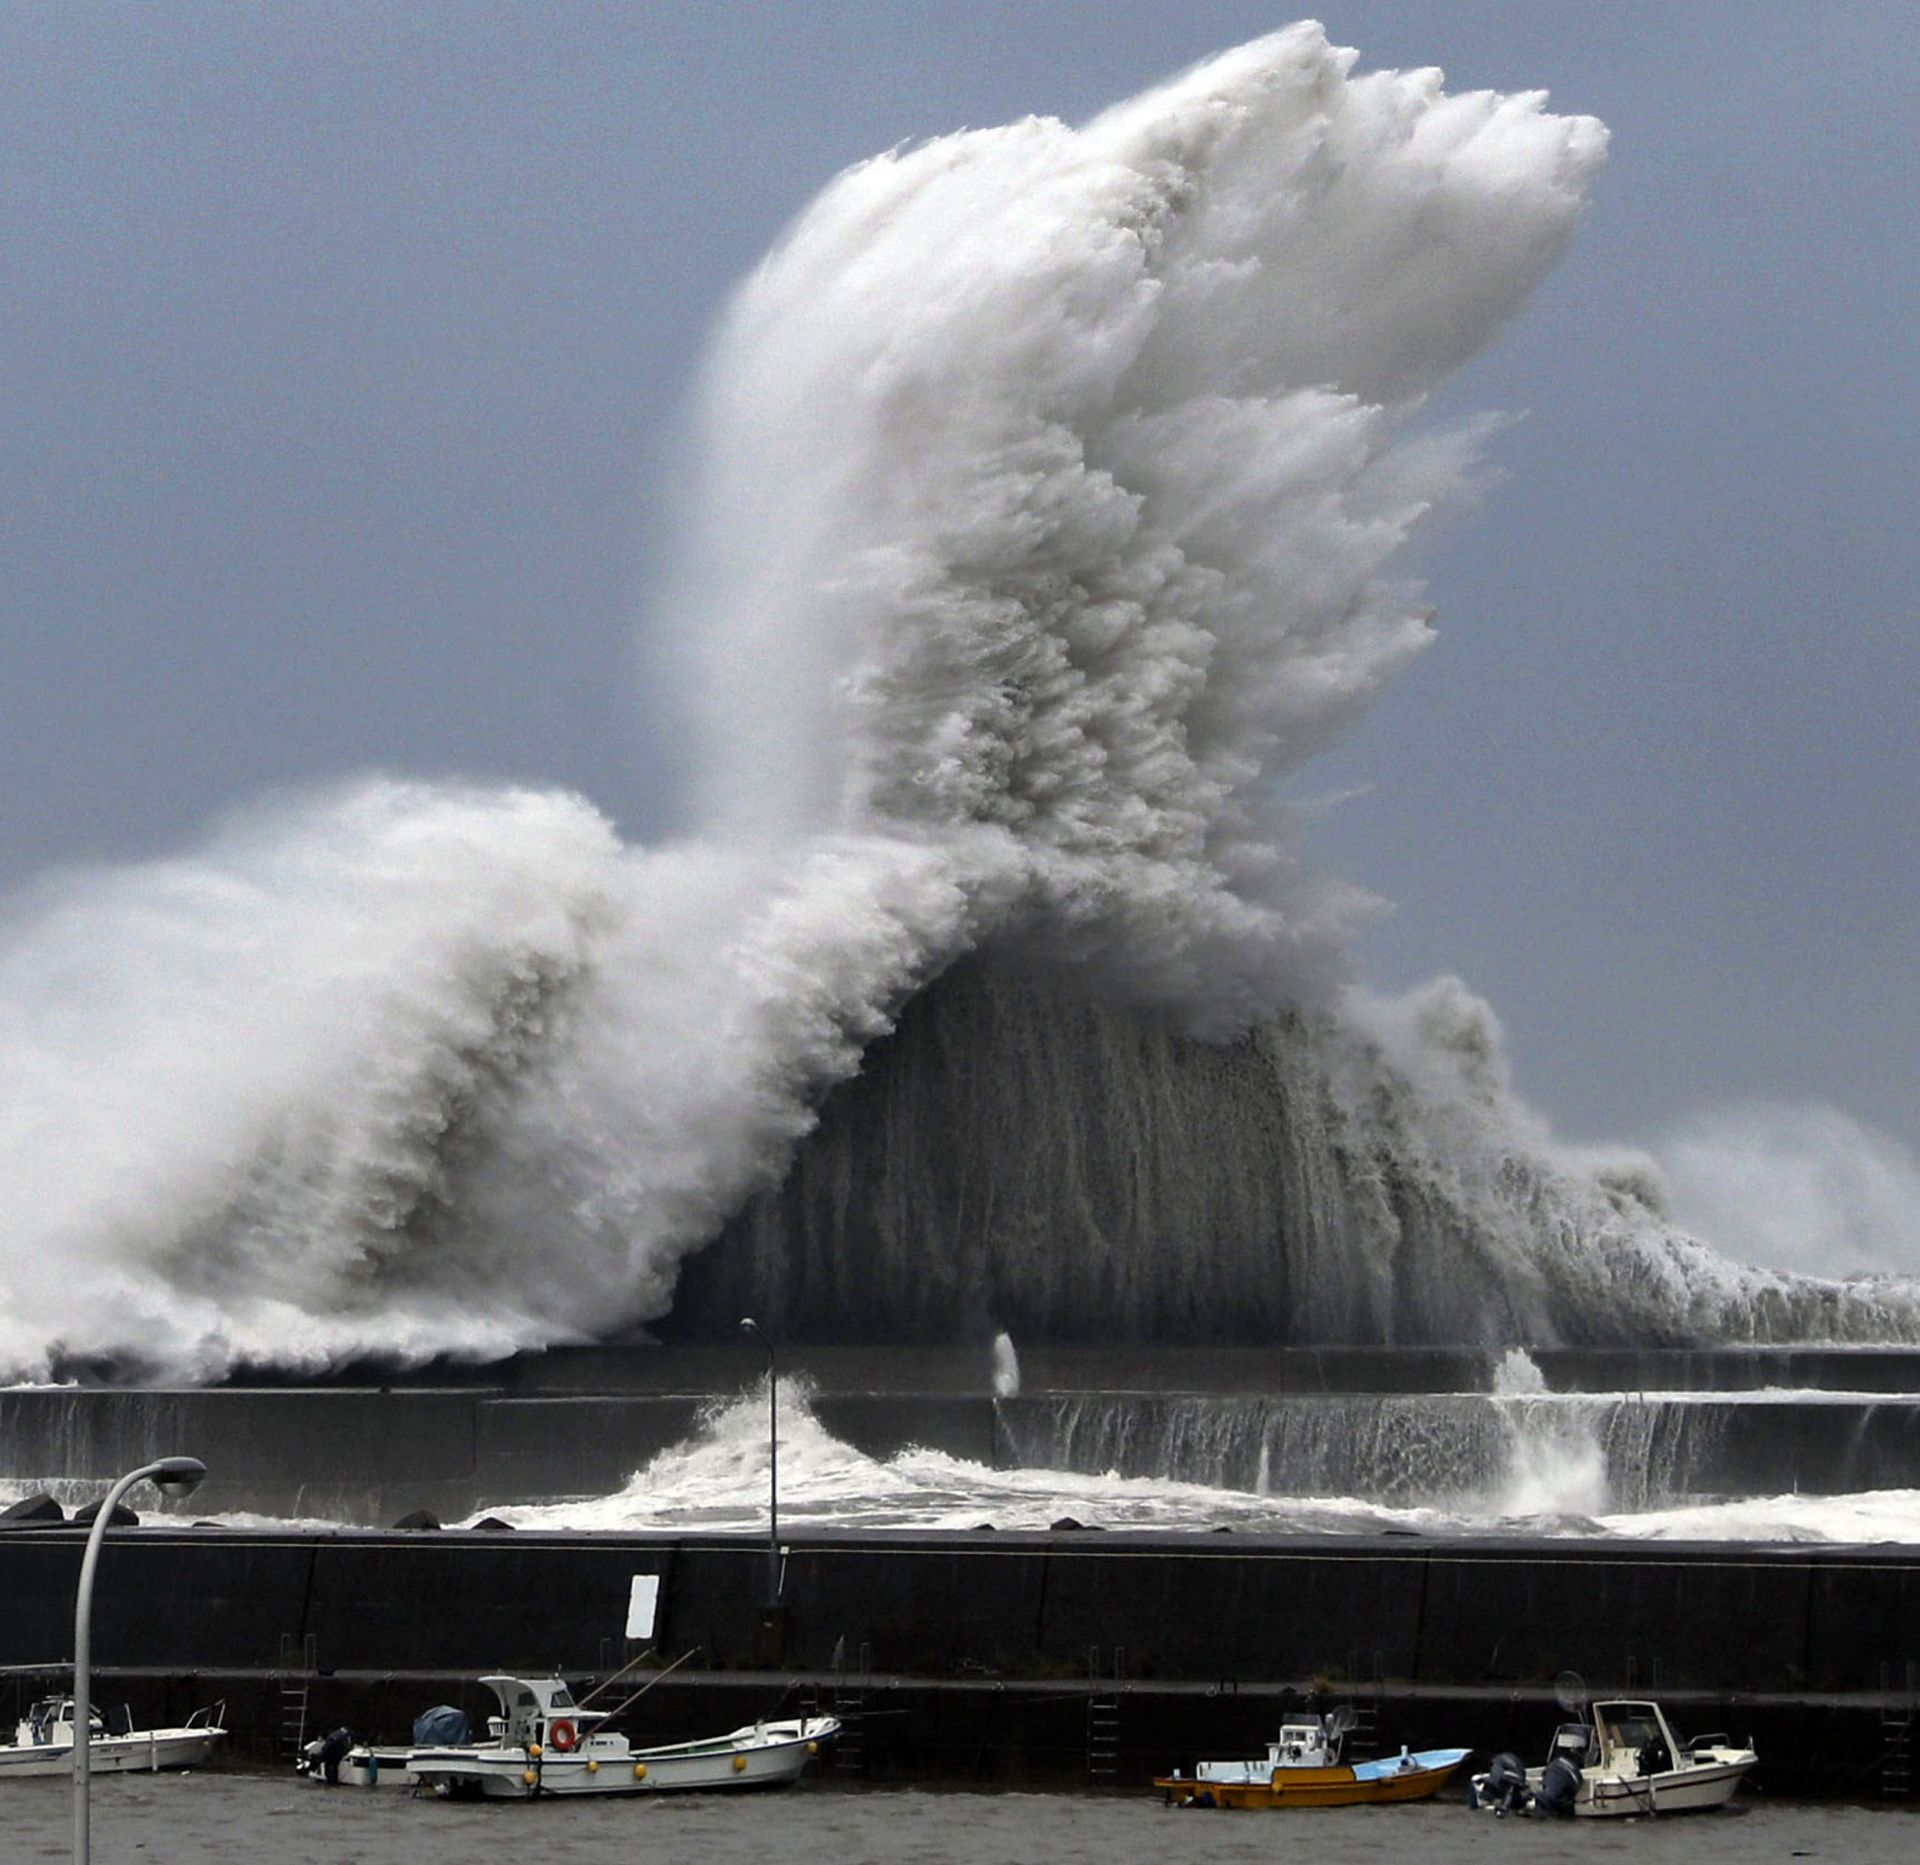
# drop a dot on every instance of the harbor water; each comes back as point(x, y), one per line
point(220, 1818)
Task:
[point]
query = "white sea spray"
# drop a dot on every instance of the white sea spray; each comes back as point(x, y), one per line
point(1050, 491)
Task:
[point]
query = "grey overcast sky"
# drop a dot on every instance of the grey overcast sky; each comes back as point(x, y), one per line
point(340, 346)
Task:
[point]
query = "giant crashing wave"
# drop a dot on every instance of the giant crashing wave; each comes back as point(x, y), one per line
point(1048, 494)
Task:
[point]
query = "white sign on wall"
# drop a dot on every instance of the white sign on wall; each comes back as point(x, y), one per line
point(643, 1605)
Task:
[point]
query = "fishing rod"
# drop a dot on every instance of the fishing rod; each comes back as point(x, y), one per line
point(609, 1715)
point(615, 1678)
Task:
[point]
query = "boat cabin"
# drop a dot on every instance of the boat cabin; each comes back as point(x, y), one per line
point(1307, 1743)
point(1303, 1742)
point(530, 1706)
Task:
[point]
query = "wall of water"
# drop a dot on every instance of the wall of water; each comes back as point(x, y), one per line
point(1022, 1154)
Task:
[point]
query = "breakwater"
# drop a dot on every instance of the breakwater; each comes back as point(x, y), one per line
point(369, 1457)
point(982, 1648)
point(1205, 1607)
point(1395, 1425)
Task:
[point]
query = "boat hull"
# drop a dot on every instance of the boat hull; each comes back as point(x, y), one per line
point(363, 1767)
point(607, 1766)
point(149, 1752)
point(1414, 1777)
point(1680, 1790)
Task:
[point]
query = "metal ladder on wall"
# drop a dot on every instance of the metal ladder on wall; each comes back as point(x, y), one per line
point(1364, 1670)
point(1896, 1734)
point(850, 1705)
point(299, 1659)
point(1103, 1715)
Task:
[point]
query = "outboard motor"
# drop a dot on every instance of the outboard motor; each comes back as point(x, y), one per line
point(1559, 1786)
point(1504, 1787)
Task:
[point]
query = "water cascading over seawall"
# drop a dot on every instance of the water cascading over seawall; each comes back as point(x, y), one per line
point(1460, 1451)
point(1021, 1153)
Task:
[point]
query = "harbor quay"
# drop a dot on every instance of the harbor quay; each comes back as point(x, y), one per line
point(1046, 1658)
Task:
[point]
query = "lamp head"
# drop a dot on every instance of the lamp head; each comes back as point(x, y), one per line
point(178, 1476)
point(755, 1332)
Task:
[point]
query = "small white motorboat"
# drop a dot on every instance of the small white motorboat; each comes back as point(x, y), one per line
point(542, 1742)
point(337, 1760)
point(1620, 1759)
point(43, 1743)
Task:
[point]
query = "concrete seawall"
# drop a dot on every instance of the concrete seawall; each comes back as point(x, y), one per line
point(1200, 1634)
point(1052, 1368)
point(370, 1456)
point(1196, 1607)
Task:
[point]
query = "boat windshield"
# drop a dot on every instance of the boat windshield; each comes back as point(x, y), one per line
point(50, 1712)
point(1632, 1726)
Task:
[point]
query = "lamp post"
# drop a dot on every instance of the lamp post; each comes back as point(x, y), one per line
point(176, 1476)
point(751, 1327)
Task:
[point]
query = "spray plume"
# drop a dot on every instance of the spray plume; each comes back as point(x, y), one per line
point(1050, 483)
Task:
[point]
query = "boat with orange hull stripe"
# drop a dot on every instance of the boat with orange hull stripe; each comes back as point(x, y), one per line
point(1302, 1768)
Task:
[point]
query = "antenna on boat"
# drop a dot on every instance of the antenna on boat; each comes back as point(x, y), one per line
point(1570, 1691)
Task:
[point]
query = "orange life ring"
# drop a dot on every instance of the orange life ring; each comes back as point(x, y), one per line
point(562, 1735)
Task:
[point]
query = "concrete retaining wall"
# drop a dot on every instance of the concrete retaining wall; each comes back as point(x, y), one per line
point(978, 1656)
point(1207, 1608)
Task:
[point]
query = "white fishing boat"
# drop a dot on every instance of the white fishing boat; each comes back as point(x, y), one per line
point(1622, 1758)
point(542, 1742)
point(43, 1743)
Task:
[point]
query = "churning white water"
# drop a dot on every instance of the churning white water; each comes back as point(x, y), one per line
point(1050, 488)
point(717, 1480)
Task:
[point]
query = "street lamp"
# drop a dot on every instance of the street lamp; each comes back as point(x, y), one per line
point(175, 1476)
point(750, 1326)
